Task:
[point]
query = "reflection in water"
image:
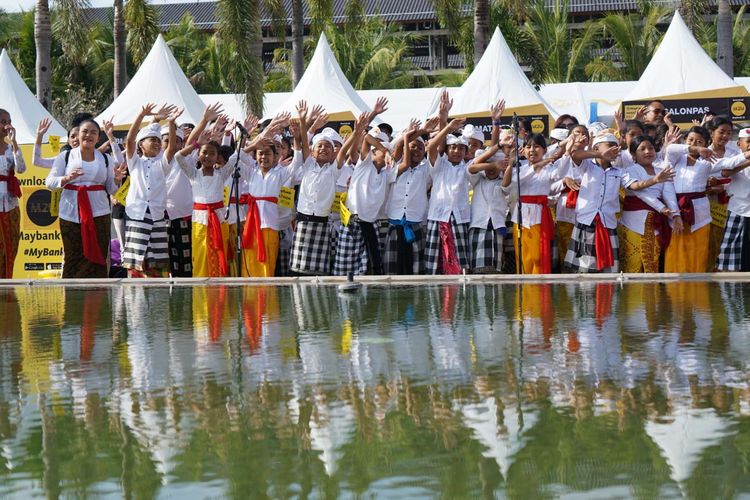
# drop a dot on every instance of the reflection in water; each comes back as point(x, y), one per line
point(481, 390)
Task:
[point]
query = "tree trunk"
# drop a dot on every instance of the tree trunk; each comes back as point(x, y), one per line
point(481, 27)
point(724, 49)
point(43, 41)
point(255, 104)
point(118, 31)
point(298, 59)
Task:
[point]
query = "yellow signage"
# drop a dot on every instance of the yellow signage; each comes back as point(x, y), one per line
point(286, 197)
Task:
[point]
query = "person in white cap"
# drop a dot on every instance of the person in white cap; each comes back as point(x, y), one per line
point(489, 208)
point(146, 252)
point(358, 248)
point(735, 246)
point(475, 140)
point(693, 163)
point(594, 245)
point(317, 169)
point(447, 244)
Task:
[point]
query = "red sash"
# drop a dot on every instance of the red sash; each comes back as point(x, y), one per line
point(548, 230)
point(661, 221)
point(723, 197)
point(571, 197)
point(252, 224)
point(687, 210)
point(215, 239)
point(91, 249)
point(605, 257)
point(14, 187)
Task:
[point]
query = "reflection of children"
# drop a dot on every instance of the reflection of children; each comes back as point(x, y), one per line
point(735, 246)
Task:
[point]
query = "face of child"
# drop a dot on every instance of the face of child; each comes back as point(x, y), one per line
point(416, 150)
point(88, 135)
point(534, 152)
point(580, 134)
point(603, 146)
point(474, 144)
point(323, 152)
point(631, 134)
point(744, 144)
point(208, 156)
point(456, 153)
point(378, 157)
point(645, 154)
point(695, 139)
point(5, 122)
point(722, 135)
point(150, 146)
point(266, 158)
point(73, 138)
point(283, 150)
point(165, 142)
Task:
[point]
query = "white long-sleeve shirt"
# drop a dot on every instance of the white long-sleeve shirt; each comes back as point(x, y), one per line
point(490, 201)
point(691, 179)
point(368, 189)
point(739, 203)
point(536, 184)
point(317, 185)
point(408, 195)
point(10, 160)
point(148, 187)
point(600, 193)
point(657, 196)
point(450, 192)
point(207, 189)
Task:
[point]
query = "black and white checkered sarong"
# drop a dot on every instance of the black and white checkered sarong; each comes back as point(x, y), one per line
point(396, 248)
point(733, 244)
point(286, 237)
point(581, 254)
point(432, 245)
point(146, 244)
point(311, 248)
point(351, 252)
point(486, 250)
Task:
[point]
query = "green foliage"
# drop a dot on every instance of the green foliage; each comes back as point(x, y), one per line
point(142, 25)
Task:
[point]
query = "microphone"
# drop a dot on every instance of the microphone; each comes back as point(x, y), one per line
point(241, 128)
point(514, 123)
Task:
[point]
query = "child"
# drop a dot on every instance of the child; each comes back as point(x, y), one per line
point(146, 252)
point(644, 230)
point(735, 246)
point(489, 207)
point(565, 211)
point(179, 211)
point(594, 246)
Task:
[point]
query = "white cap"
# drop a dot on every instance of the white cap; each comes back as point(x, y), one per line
point(178, 132)
point(499, 155)
point(277, 139)
point(382, 138)
point(333, 135)
point(596, 128)
point(471, 132)
point(605, 138)
point(153, 130)
point(321, 137)
point(744, 132)
point(452, 139)
point(559, 134)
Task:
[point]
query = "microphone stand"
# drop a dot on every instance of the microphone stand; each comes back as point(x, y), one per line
point(235, 189)
point(518, 191)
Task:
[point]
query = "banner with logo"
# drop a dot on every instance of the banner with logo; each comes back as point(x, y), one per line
point(539, 123)
point(685, 110)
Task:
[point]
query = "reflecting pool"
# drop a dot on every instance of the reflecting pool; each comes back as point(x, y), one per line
point(609, 390)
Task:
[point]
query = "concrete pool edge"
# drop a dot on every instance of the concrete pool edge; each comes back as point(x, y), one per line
point(392, 280)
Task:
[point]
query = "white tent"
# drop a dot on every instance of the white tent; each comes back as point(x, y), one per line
point(160, 80)
point(25, 111)
point(685, 435)
point(325, 84)
point(680, 66)
point(497, 76)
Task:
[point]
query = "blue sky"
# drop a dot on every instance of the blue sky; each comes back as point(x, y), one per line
point(16, 5)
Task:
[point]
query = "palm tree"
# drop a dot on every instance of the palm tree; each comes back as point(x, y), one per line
point(120, 66)
point(692, 12)
point(298, 48)
point(481, 27)
point(71, 29)
point(724, 55)
point(239, 29)
point(141, 22)
point(43, 40)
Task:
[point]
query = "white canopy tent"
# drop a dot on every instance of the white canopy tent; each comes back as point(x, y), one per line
point(160, 80)
point(680, 67)
point(25, 111)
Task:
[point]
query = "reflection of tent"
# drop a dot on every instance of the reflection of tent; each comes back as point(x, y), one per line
point(25, 111)
point(681, 68)
point(324, 83)
point(498, 76)
point(160, 80)
point(330, 432)
point(684, 435)
point(502, 446)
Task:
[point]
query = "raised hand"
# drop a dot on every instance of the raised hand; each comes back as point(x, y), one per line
point(250, 123)
point(314, 113)
point(640, 113)
point(320, 121)
point(163, 112)
point(497, 110)
point(229, 127)
point(619, 120)
point(414, 126)
point(708, 154)
point(672, 136)
point(212, 112)
point(302, 110)
point(205, 137)
point(10, 131)
point(610, 154)
point(456, 124)
point(175, 114)
point(668, 119)
point(664, 175)
point(121, 171)
point(43, 127)
point(148, 109)
point(108, 126)
point(381, 106)
point(446, 103)
point(571, 184)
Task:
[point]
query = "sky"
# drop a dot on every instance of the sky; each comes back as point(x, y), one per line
point(16, 5)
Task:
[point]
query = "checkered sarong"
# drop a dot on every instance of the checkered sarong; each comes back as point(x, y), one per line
point(432, 245)
point(180, 233)
point(311, 248)
point(732, 247)
point(393, 258)
point(146, 244)
point(351, 252)
point(381, 227)
point(486, 250)
point(286, 237)
point(581, 255)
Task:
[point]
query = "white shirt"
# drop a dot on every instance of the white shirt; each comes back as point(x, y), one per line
point(536, 184)
point(317, 185)
point(657, 196)
point(38, 161)
point(207, 189)
point(368, 189)
point(8, 161)
point(268, 185)
point(739, 203)
point(179, 191)
point(600, 193)
point(408, 195)
point(450, 191)
point(489, 202)
point(148, 187)
point(562, 212)
point(94, 172)
point(691, 179)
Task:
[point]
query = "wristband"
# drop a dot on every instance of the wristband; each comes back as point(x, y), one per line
point(496, 123)
point(195, 144)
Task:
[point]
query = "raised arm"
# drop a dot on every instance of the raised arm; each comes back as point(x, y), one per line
point(496, 111)
point(36, 158)
point(437, 143)
point(20, 164)
point(730, 166)
point(130, 145)
point(304, 144)
point(172, 124)
point(480, 162)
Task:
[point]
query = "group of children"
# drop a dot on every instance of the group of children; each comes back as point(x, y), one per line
point(436, 199)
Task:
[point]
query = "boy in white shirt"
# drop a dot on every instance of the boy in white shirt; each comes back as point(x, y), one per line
point(735, 246)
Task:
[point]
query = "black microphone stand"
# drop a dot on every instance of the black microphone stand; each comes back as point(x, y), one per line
point(518, 191)
point(235, 191)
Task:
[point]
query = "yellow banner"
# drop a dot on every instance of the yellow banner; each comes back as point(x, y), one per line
point(345, 213)
point(54, 144)
point(336, 205)
point(718, 214)
point(122, 194)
